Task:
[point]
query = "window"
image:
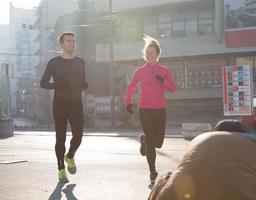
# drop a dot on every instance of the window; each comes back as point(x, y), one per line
point(178, 75)
point(179, 25)
point(150, 25)
point(191, 24)
point(164, 25)
point(130, 28)
point(204, 76)
point(205, 22)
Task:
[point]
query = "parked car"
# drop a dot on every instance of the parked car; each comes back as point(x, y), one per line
point(250, 121)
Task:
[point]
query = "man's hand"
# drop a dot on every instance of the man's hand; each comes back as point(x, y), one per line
point(129, 108)
point(159, 78)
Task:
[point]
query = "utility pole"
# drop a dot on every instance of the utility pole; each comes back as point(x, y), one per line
point(111, 75)
point(8, 89)
point(6, 69)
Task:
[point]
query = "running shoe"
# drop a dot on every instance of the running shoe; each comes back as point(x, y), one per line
point(143, 146)
point(153, 176)
point(71, 164)
point(62, 176)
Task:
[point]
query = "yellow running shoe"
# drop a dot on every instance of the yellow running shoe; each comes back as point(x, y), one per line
point(71, 164)
point(63, 176)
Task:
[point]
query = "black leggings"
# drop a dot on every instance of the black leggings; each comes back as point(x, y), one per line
point(62, 112)
point(153, 124)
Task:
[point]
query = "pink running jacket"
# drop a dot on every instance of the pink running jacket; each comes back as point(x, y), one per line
point(151, 90)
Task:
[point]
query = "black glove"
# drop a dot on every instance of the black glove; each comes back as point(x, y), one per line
point(129, 108)
point(85, 85)
point(159, 78)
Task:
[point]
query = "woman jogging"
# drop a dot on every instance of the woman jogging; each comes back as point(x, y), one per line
point(154, 80)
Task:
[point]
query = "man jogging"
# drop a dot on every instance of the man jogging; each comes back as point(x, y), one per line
point(68, 73)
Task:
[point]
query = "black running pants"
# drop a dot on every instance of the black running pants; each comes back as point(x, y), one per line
point(64, 111)
point(153, 125)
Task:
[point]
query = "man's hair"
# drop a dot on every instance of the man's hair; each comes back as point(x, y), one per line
point(61, 37)
point(232, 125)
point(150, 42)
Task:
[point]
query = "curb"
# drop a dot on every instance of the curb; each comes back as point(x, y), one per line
point(102, 134)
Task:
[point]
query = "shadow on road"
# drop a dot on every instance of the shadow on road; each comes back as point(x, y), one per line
point(68, 191)
point(4, 137)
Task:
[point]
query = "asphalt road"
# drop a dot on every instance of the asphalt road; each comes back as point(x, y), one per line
point(109, 167)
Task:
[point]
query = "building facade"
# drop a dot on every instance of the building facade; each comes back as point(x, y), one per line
point(5, 59)
point(17, 57)
point(196, 42)
point(22, 39)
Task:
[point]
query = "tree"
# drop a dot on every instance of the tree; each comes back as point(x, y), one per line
point(83, 4)
point(2, 115)
point(250, 2)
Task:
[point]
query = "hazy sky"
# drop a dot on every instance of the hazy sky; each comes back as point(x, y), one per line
point(4, 7)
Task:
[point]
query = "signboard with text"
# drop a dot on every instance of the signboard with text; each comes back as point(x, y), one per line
point(237, 90)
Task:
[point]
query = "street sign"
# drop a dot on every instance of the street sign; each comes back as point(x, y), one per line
point(90, 105)
point(237, 90)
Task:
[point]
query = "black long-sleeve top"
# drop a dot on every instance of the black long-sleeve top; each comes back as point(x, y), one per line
point(68, 78)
